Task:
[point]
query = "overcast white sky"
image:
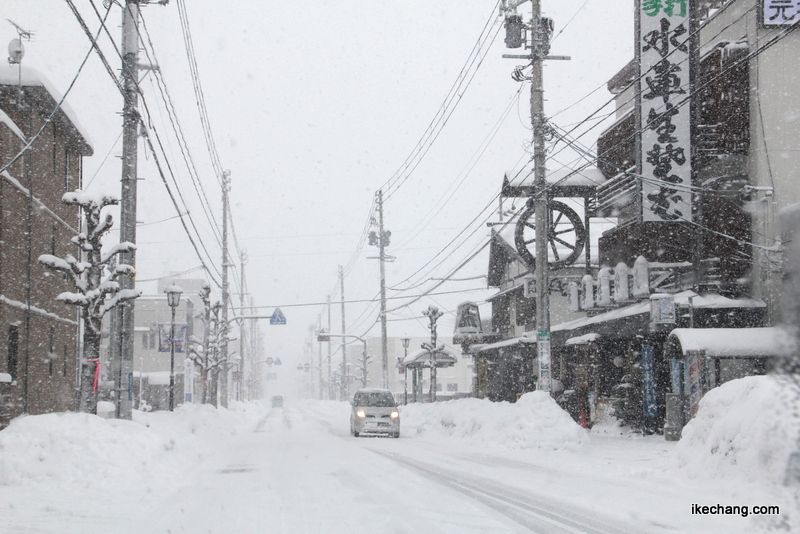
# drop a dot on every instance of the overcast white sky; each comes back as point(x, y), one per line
point(314, 106)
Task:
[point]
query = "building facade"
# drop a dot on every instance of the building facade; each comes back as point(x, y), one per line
point(40, 350)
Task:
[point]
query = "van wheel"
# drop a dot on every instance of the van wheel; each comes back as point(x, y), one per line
point(395, 434)
point(355, 433)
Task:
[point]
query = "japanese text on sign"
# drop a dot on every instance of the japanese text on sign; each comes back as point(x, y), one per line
point(664, 87)
point(780, 12)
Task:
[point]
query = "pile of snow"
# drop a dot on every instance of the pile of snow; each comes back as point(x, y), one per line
point(745, 429)
point(535, 421)
point(80, 450)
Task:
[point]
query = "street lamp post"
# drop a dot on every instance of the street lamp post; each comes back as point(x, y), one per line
point(173, 299)
point(405, 342)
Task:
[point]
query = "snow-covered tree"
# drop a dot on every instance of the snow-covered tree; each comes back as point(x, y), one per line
point(206, 354)
point(97, 290)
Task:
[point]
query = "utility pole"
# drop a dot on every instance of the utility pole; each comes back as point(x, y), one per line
point(223, 376)
point(383, 242)
point(540, 30)
point(122, 340)
point(240, 381)
point(330, 384)
point(540, 203)
point(319, 356)
point(344, 346)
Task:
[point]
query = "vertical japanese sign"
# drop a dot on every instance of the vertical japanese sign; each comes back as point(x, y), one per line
point(780, 12)
point(649, 383)
point(543, 349)
point(694, 379)
point(663, 88)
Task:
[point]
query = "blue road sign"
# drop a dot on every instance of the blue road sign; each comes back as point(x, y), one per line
point(277, 317)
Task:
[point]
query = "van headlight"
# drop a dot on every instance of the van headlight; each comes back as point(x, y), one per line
point(361, 414)
point(395, 415)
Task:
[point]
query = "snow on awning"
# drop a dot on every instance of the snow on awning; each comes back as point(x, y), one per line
point(422, 358)
point(583, 340)
point(733, 342)
point(708, 301)
point(505, 292)
point(522, 340)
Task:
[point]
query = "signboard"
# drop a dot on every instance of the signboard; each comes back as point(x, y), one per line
point(780, 12)
point(675, 374)
point(277, 317)
point(664, 116)
point(163, 337)
point(662, 310)
point(649, 383)
point(272, 376)
point(694, 379)
point(278, 361)
point(269, 361)
point(543, 346)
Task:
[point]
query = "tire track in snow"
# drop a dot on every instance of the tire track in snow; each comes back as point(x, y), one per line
point(531, 512)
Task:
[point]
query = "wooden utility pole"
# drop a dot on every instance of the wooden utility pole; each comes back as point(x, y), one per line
point(539, 45)
point(122, 340)
point(242, 330)
point(330, 383)
point(383, 242)
point(344, 345)
point(223, 368)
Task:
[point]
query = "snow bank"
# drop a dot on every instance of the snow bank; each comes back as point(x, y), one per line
point(745, 429)
point(535, 421)
point(69, 450)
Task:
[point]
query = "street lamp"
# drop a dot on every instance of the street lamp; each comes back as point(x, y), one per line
point(405, 342)
point(173, 299)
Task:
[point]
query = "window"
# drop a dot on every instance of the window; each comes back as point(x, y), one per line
point(145, 338)
point(452, 388)
point(66, 356)
point(13, 349)
point(67, 175)
point(152, 341)
point(438, 386)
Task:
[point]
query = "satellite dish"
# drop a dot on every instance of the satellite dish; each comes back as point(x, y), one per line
point(15, 51)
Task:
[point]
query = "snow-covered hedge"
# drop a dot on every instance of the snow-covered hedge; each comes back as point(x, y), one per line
point(744, 429)
point(535, 421)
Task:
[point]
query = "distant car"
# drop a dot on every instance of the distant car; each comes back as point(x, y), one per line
point(374, 412)
point(277, 401)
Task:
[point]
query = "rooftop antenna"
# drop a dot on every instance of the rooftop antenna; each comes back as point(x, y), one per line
point(16, 52)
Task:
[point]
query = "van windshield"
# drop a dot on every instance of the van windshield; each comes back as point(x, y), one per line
point(374, 399)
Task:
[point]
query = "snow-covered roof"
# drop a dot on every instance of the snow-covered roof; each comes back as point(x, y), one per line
point(30, 77)
point(508, 343)
point(583, 340)
point(589, 176)
point(735, 342)
point(709, 301)
point(445, 357)
point(5, 119)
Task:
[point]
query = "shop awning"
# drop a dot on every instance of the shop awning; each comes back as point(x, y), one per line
point(732, 342)
point(584, 339)
point(445, 357)
point(522, 340)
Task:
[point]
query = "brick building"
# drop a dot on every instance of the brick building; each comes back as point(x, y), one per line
point(39, 349)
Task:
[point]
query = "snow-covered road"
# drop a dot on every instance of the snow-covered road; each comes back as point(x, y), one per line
point(297, 469)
